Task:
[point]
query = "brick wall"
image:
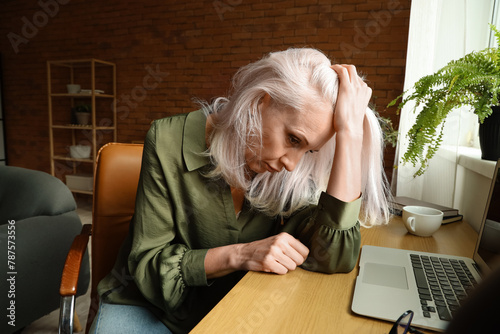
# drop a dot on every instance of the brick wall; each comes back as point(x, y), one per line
point(194, 47)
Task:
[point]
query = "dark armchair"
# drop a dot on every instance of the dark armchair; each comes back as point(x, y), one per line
point(38, 221)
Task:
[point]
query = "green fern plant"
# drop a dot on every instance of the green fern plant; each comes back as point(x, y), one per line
point(473, 80)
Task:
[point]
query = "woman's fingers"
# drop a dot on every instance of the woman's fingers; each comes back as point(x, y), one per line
point(347, 73)
point(293, 252)
point(342, 73)
point(352, 100)
point(278, 254)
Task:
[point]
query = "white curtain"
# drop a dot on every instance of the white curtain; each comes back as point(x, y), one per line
point(440, 31)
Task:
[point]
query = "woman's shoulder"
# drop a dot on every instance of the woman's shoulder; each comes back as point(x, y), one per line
point(172, 121)
point(173, 126)
point(179, 138)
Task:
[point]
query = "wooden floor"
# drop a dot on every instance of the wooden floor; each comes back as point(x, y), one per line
point(49, 323)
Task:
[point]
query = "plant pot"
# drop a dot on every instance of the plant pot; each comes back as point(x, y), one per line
point(83, 118)
point(489, 136)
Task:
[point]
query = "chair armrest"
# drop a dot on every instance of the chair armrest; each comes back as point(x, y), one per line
point(71, 271)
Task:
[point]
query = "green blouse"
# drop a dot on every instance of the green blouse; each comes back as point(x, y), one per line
point(180, 214)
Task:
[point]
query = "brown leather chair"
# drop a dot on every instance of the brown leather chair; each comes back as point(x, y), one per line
point(115, 184)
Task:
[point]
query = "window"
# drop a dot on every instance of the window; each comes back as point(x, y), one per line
point(441, 31)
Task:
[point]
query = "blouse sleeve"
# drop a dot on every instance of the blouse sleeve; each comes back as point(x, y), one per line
point(163, 267)
point(331, 231)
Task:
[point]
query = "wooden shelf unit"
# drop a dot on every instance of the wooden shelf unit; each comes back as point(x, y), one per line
point(93, 75)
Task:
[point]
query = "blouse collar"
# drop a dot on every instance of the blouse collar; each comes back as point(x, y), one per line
point(194, 141)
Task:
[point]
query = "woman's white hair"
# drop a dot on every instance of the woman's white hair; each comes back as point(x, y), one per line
point(294, 79)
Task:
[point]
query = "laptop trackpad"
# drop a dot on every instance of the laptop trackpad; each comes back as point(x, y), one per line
point(385, 275)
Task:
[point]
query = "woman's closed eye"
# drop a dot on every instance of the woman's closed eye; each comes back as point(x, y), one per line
point(294, 141)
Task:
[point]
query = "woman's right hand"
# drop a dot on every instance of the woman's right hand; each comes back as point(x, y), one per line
point(276, 254)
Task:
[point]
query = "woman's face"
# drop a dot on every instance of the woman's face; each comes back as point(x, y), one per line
point(288, 135)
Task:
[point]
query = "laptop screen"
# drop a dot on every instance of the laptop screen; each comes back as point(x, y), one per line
point(487, 255)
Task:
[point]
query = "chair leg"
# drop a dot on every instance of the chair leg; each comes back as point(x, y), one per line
point(66, 314)
point(77, 326)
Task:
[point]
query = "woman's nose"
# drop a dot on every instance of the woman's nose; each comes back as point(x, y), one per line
point(290, 160)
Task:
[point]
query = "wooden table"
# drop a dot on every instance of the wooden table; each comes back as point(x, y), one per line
point(309, 302)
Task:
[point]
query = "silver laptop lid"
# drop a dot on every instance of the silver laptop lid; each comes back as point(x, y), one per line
point(487, 252)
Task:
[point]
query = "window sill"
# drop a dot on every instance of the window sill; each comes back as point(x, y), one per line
point(470, 158)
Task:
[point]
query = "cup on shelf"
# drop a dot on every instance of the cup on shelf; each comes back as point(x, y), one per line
point(73, 89)
point(421, 220)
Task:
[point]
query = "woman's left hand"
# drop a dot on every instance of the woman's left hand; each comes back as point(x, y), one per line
point(350, 110)
point(352, 101)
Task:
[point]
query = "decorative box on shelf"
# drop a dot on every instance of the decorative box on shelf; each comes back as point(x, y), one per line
point(80, 182)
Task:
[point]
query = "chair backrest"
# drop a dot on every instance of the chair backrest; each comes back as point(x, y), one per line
point(115, 185)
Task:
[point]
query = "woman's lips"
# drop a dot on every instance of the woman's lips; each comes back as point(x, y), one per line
point(271, 169)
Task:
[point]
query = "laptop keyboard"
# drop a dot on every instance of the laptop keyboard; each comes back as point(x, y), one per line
point(442, 284)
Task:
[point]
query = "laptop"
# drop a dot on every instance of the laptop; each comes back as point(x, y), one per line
point(391, 281)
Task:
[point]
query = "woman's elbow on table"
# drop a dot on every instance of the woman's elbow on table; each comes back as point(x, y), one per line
point(335, 261)
point(333, 250)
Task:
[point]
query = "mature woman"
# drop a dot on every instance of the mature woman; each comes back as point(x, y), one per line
point(268, 179)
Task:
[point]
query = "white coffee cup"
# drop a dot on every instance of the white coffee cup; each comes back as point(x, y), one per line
point(421, 220)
